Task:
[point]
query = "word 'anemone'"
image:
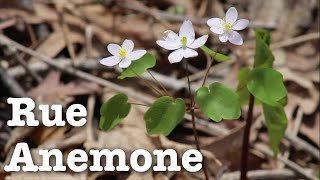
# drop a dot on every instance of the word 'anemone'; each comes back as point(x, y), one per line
point(77, 160)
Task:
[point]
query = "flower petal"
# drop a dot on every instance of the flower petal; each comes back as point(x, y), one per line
point(135, 55)
point(216, 25)
point(124, 63)
point(171, 37)
point(186, 30)
point(176, 56)
point(110, 61)
point(223, 37)
point(113, 49)
point(231, 15)
point(128, 45)
point(198, 42)
point(240, 24)
point(188, 53)
point(235, 38)
point(168, 45)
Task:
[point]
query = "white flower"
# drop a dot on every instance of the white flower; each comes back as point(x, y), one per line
point(183, 44)
point(227, 27)
point(122, 55)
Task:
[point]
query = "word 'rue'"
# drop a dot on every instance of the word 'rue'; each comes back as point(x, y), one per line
point(75, 114)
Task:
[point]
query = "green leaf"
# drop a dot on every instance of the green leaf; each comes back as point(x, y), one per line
point(263, 56)
point(242, 89)
point(139, 66)
point(164, 115)
point(283, 102)
point(267, 85)
point(277, 122)
point(217, 56)
point(218, 102)
point(264, 35)
point(113, 111)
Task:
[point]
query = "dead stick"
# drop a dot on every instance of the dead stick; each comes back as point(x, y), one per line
point(11, 84)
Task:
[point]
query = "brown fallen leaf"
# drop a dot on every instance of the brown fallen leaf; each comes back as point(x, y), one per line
point(51, 90)
point(55, 43)
point(49, 14)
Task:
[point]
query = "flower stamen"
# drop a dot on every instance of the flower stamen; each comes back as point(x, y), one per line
point(227, 26)
point(122, 53)
point(183, 41)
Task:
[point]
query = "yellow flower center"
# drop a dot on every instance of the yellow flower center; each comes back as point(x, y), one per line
point(227, 26)
point(122, 53)
point(183, 41)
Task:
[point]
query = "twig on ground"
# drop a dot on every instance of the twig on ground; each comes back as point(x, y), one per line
point(293, 133)
point(10, 84)
point(276, 174)
point(88, 35)
point(65, 30)
point(8, 23)
point(11, 51)
point(288, 42)
point(295, 40)
point(32, 35)
point(292, 165)
point(89, 125)
point(93, 64)
point(300, 144)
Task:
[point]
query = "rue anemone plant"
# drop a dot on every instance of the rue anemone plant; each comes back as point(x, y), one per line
point(261, 84)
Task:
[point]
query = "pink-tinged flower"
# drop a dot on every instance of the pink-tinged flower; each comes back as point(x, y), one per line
point(182, 44)
point(227, 27)
point(122, 55)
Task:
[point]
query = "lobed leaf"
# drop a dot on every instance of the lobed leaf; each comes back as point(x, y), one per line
point(263, 56)
point(276, 121)
point(164, 115)
point(113, 111)
point(267, 85)
point(139, 66)
point(242, 89)
point(218, 102)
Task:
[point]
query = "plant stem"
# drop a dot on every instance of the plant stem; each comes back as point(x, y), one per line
point(145, 81)
point(245, 141)
point(194, 128)
point(160, 84)
point(208, 68)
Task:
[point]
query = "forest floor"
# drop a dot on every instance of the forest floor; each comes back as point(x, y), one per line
point(50, 51)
